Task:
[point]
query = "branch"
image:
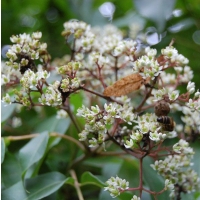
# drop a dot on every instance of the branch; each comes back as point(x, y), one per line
point(77, 185)
point(53, 134)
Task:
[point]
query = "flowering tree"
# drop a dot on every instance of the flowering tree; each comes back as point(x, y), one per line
point(128, 96)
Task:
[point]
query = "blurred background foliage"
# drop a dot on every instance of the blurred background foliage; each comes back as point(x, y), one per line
point(158, 20)
point(166, 19)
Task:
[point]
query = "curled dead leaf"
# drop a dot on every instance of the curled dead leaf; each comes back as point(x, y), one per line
point(124, 86)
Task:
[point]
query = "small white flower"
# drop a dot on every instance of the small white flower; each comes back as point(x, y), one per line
point(155, 136)
point(136, 136)
point(158, 94)
point(37, 35)
point(193, 104)
point(6, 99)
point(5, 79)
point(16, 122)
point(75, 82)
point(129, 144)
point(61, 114)
point(151, 53)
point(24, 62)
point(169, 185)
point(169, 51)
point(191, 87)
point(197, 94)
point(93, 142)
point(173, 95)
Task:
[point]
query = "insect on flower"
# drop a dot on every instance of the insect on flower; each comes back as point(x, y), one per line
point(166, 122)
point(125, 85)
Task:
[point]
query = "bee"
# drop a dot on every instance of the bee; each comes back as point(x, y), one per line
point(166, 122)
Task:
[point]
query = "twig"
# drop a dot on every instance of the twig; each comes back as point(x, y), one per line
point(77, 185)
point(53, 134)
point(100, 95)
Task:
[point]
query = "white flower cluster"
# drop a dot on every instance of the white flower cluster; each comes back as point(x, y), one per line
point(115, 185)
point(147, 65)
point(191, 121)
point(9, 72)
point(97, 119)
point(127, 47)
point(108, 39)
point(177, 168)
point(70, 80)
point(52, 96)
point(135, 198)
point(187, 74)
point(68, 84)
point(81, 32)
point(97, 58)
point(26, 49)
point(31, 79)
point(147, 124)
point(69, 69)
point(165, 92)
point(73, 26)
point(171, 53)
point(135, 138)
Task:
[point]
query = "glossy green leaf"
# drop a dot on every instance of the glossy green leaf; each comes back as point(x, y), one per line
point(130, 171)
point(89, 178)
point(33, 151)
point(10, 171)
point(152, 179)
point(53, 124)
point(3, 148)
point(111, 166)
point(15, 192)
point(44, 185)
point(6, 111)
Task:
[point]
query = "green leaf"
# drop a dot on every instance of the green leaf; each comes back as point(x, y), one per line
point(88, 178)
point(44, 185)
point(110, 166)
point(3, 148)
point(61, 128)
point(53, 124)
point(130, 171)
point(70, 181)
point(11, 171)
point(6, 111)
point(15, 192)
point(33, 151)
point(152, 179)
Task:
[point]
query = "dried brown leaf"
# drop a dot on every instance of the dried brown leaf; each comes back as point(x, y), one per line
point(124, 86)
